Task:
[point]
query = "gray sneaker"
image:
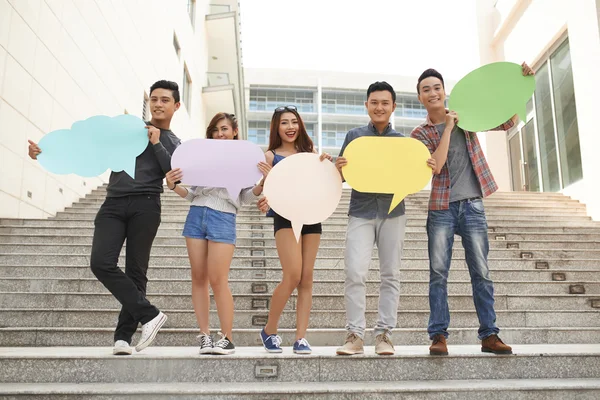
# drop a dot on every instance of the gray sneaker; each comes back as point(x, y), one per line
point(354, 345)
point(383, 345)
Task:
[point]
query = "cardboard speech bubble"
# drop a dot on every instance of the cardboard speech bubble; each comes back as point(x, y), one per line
point(303, 189)
point(230, 164)
point(387, 165)
point(94, 145)
point(490, 95)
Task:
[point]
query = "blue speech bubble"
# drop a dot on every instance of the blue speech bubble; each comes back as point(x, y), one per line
point(94, 145)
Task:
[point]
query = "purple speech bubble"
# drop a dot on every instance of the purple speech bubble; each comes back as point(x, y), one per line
point(230, 164)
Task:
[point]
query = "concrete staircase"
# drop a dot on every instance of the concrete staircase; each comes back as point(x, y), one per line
point(56, 320)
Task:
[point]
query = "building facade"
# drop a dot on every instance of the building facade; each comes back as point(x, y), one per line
point(330, 103)
point(64, 61)
point(554, 149)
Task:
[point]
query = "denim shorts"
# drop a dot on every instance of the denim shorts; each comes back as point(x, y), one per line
point(208, 224)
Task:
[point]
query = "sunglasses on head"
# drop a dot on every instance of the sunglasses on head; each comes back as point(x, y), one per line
point(286, 108)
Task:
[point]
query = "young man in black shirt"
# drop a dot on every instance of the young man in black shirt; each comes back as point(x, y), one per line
point(132, 211)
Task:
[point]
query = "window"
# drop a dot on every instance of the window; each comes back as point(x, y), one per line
point(269, 99)
point(334, 134)
point(146, 108)
point(550, 138)
point(191, 9)
point(176, 46)
point(566, 115)
point(186, 90)
point(343, 103)
point(545, 124)
point(258, 132)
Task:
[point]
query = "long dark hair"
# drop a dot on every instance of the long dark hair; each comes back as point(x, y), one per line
point(212, 126)
point(303, 142)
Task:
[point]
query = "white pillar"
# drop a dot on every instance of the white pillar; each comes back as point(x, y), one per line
point(319, 117)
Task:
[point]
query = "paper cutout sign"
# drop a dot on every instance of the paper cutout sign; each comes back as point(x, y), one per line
point(303, 189)
point(94, 145)
point(387, 165)
point(229, 164)
point(490, 95)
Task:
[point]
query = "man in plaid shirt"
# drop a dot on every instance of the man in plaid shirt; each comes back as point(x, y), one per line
point(461, 179)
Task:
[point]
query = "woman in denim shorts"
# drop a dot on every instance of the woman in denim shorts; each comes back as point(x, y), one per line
point(287, 137)
point(210, 234)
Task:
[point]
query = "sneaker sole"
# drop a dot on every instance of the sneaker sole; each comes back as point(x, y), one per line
point(207, 350)
point(486, 350)
point(270, 351)
point(122, 352)
point(148, 342)
point(302, 351)
point(386, 353)
point(348, 353)
point(222, 352)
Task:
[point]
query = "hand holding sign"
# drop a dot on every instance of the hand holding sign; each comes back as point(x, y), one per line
point(230, 164)
point(491, 95)
point(303, 189)
point(387, 165)
point(92, 146)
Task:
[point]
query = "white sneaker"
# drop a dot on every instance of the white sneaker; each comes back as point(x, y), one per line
point(149, 331)
point(122, 348)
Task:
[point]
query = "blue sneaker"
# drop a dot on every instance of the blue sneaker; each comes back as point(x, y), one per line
point(302, 347)
point(272, 343)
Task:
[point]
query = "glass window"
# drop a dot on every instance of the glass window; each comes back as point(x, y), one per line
point(566, 115)
point(191, 9)
point(530, 153)
point(186, 91)
point(545, 125)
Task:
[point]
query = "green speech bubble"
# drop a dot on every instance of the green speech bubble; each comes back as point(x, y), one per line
point(490, 95)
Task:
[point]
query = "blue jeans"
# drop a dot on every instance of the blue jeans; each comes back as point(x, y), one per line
point(465, 218)
point(208, 224)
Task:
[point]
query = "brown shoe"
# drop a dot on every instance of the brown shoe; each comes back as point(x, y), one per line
point(438, 347)
point(383, 345)
point(493, 344)
point(353, 345)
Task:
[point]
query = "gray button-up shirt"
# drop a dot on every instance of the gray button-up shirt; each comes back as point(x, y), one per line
point(372, 205)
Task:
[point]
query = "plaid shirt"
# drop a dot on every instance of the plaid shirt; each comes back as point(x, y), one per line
point(440, 184)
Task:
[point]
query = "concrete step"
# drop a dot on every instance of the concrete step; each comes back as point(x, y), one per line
point(341, 219)
point(321, 286)
point(251, 364)
point(179, 211)
point(549, 389)
point(53, 315)
point(250, 251)
point(244, 240)
point(62, 259)
point(257, 274)
point(90, 336)
point(259, 230)
point(274, 273)
point(500, 389)
point(330, 224)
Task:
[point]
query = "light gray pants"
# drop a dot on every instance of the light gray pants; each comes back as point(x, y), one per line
point(361, 235)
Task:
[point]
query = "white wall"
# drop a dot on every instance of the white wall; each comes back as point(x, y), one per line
point(528, 36)
point(63, 61)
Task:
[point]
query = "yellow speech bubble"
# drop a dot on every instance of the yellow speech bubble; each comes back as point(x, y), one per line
point(303, 189)
point(387, 165)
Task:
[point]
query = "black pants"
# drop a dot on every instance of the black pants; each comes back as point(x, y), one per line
point(135, 218)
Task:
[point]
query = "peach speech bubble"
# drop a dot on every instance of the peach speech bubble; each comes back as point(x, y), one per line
point(387, 165)
point(303, 189)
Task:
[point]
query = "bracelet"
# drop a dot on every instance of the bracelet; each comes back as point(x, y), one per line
point(174, 186)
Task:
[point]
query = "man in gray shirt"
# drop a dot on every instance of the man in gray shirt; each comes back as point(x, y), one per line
point(369, 223)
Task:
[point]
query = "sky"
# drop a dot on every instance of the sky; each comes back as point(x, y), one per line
point(402, 37)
